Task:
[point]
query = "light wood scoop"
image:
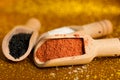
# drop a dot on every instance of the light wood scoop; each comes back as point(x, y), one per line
point(32, 27)
point(93, 48)
point(95, 29)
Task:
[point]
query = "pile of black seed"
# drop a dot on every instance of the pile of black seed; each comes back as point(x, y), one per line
point(18, 44)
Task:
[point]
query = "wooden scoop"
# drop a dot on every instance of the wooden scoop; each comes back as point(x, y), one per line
point(32, 27)
point(95, 29)
point(93, 48)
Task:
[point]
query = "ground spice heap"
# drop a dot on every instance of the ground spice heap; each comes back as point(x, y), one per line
point(58, 48)
point(18, 44)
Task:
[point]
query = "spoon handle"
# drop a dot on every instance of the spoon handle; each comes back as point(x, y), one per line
point(33, 23)
point(108, 47)
point(96, 29)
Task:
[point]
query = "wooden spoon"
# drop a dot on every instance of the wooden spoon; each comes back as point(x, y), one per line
point(95, 29)
point(93, 48)
point(32, 27)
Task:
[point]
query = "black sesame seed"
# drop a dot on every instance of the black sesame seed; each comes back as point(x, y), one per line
point(18, 44)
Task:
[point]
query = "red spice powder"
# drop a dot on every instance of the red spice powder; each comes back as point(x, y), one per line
point(58, 48)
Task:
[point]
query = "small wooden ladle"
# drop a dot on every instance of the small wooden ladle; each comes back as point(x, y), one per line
point(32, 27)
point(93, 48)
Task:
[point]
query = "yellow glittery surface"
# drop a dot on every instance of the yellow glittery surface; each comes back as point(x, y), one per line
point(53, 14)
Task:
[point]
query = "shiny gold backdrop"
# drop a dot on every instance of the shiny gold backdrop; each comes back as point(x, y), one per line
point(53, 14)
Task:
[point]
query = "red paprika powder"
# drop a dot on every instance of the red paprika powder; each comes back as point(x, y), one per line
point(58, 48)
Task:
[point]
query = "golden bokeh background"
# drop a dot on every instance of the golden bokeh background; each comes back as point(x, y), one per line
point(53, 14)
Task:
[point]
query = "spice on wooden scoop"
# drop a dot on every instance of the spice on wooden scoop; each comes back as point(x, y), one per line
point(87, 50)
point(18, 43)
point(95, 29)
point(58, 48)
